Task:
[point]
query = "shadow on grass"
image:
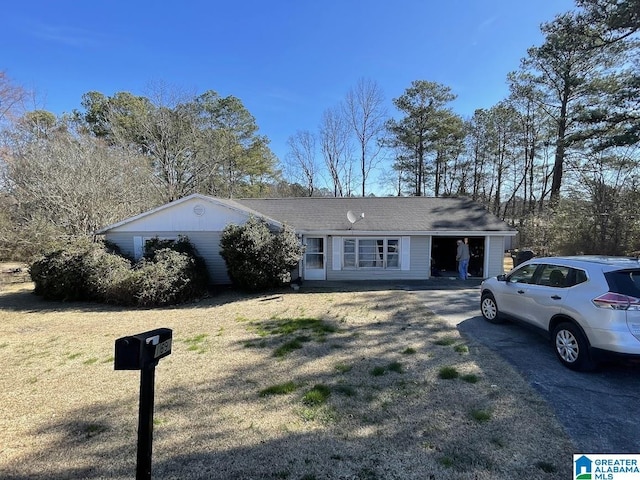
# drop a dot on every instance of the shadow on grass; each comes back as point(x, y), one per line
point(403, 424)
point(24, 300)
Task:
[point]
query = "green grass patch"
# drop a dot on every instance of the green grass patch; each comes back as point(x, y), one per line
point(289, 326)
point(448, 373)
point(197, 339)
point(446, 341)
point(4, 345)
point(447, 462)
point(318, 395)
point(346, 390)
point(343, 367)
point(462, 349)
point(287, 348)
point(480, 416)
point(380, 370)
point(94, 429)
point(279, 389)
point(305, 329)
point(409, 351)
point(73, 356)
point(318, 413)
point(395, 367)
point(197, 343)
point(90, 361)
point(470, 378)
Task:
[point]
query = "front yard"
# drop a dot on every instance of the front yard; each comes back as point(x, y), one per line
point(307, 385)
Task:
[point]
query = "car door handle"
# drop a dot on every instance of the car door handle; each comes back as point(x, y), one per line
point(556, 297)
point(520, 292)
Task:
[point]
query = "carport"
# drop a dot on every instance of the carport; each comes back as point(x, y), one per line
point(443, 254)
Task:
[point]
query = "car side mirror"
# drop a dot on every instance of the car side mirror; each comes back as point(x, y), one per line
point(502, 278)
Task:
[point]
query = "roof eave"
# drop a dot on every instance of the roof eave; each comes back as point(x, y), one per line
point(404, 233)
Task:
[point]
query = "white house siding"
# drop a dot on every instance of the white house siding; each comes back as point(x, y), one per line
point(200, 220)
point(418, 266)
point(193, 215)
point(206, 243)
point(124, 241)
point(494, 255)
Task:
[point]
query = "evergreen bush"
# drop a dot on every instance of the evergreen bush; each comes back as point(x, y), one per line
point(171, 272)
point(60, 275)
point(259, 257)
point(168, 278)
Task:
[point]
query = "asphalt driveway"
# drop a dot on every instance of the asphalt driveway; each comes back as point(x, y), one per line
point(597, 409)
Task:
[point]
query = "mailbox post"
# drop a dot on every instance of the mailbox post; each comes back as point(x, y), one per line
point(142, 352)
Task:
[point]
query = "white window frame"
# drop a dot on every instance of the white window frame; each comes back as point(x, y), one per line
point(139, 242)
point(357, 263)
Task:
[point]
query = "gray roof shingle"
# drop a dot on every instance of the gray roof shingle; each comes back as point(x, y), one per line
point(381, 214)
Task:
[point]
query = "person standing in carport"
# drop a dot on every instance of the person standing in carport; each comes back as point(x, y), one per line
point(462, 257)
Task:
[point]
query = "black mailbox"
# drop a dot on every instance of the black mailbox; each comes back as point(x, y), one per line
point(143, 350)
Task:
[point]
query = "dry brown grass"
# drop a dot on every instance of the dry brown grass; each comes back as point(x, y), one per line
point(13, 272)
point(65, 413)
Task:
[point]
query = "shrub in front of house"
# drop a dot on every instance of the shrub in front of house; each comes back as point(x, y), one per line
point(95, 272)
point(259, 257)
point(104, 270)
point(60, 274)
point(168, 277)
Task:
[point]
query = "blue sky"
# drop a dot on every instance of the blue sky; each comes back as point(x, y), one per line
point(287, 61)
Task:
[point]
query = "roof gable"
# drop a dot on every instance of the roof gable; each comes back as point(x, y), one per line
point(192, 213)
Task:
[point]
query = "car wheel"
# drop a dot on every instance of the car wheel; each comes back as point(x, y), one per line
point(572, 348)
point(489, 309)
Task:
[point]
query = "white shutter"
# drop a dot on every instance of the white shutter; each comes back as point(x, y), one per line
point(336, 263)
point(405, 252)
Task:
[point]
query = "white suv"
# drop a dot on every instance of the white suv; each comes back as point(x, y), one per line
point(589, 305)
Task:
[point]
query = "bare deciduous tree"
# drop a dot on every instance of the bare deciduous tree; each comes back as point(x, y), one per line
point(302, 159)
point(11, 98)
point(334, 140)
point(366, 115)
point(67, 184)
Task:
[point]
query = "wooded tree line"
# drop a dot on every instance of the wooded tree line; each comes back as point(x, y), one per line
point(558, 158)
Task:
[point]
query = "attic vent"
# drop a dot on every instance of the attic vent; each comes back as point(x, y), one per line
point(198, 210)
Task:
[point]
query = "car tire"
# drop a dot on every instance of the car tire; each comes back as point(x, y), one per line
point(489, 309)
point(572, 347)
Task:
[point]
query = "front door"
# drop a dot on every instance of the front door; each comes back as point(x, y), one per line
point(314, 259)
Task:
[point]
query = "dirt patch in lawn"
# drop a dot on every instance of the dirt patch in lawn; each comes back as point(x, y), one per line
point(307, 385)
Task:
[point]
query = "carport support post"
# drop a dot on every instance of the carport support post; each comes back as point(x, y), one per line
point(145, 421)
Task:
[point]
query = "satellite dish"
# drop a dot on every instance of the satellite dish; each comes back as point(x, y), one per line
point(351, 217)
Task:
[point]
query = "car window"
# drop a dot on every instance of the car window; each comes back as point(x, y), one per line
point(575, 276)
point(625, 282)
point(553, 276)
point(523, 274)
